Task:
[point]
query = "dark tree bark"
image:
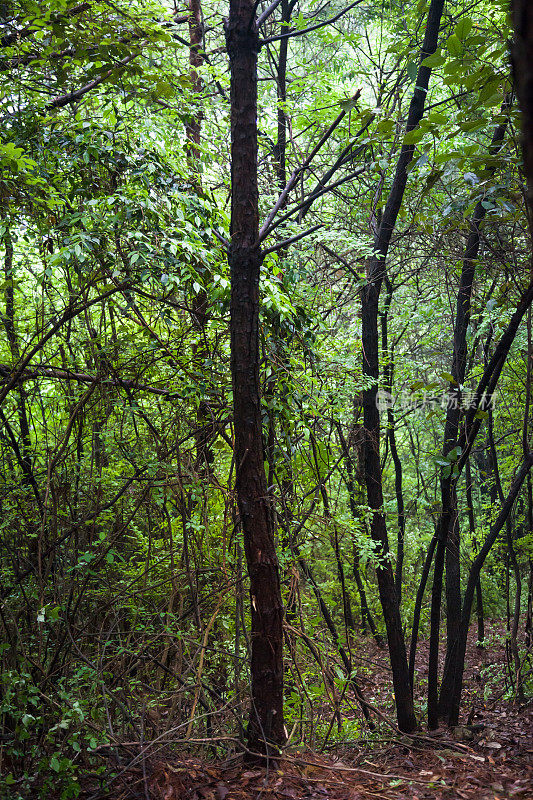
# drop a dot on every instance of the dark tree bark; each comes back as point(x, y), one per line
point(522, 55)
point(266, 729)
point(467, 436)
point(194, 123)
point(472, 526)
point(522, 58)
point(448, 535)
point(279, 335)
point(512, 561)
point(418, 608)
point(23, 452)
point(388, 379)
point(200, 301)
point(366, 616)
point(475, 570)
point(369, 316)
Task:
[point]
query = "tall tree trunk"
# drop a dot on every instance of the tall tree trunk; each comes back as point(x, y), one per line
point(512, 626)
point(483, 397)
point(266, 728)
point(279, 335)
point(388, 380)
point(522, 56)
point(369, 317)
point(200, 301)
point(448, 527)
point(20, 445)
point(529, 611)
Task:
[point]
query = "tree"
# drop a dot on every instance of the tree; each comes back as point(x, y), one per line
point(266, 724)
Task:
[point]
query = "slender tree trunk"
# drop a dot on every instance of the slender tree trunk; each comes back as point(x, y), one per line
point(388, 379)
point(369, 317)
point(278, 334)
point(266, 728)
point(484, 393)
point(472, 526)
point(522, 56)
point(194, 122)
point(512, 625)
point(523, 62)
point(475, 570)
point(448, 530)
point(529, 612)
point(200, 301)
point(418, 608)
point(8, 319)
point(453, 575)
point(366, 616)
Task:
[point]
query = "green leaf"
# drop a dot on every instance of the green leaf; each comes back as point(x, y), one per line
point(412, 137)
point(347, 105)
point(454, 45)
point(431, 181)
point(463, 28)
point(412, 71)
point(435, 60)
point(385, 126)
point(448, 377)
point(436, 118)
point(489, 90)
point(472, 125)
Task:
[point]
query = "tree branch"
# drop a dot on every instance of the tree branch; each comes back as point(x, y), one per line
point(292, 239)
point(294, 177)
point(311, 27)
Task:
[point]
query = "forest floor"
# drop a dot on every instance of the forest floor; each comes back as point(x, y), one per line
point(488, 757)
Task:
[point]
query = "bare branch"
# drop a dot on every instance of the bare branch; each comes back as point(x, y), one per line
point(292, 239)
point(318, 192)
point(71, 97)
point(294, 177)
point(311, 27)
point(266, 14)
point(82, 377)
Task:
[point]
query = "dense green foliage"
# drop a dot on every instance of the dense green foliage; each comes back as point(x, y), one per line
point(124, 609)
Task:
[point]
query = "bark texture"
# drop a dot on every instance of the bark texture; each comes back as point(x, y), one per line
point(266, 728)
